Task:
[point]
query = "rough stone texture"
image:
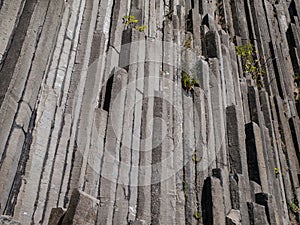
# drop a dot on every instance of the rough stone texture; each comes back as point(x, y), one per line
point(90, 104)
point(255, 157)
point(56, 216)
point(81, 210)
point(257, 214)
point(236, 143)
point(233, 218)
point(7, 220)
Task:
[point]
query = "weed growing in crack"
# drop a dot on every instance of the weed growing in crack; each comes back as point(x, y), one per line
point(276, 171)
point(294, 206)
point(195, 158)
point(188, 43)
point(131, 22)
point(250, 63)
point(188, 83)
point(297, 86)
point(141, 28)
point(197, 215)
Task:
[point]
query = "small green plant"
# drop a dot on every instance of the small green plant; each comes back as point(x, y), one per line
point(131, 21)
point(188, 83)
point(297, 78)
point(197, 215)
point(294, 207)
point(141, 28)
point(194, 158)
point(297, 86)
point(188, 43)
point(250, 63)
point(277, 171)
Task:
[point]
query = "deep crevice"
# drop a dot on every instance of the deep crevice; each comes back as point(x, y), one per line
point(206, 203)
point(10, 61)
point(275, 66)
point(294, 137)
point(293, 11)
point(252, 161)
point(108, 91)
point(12, 199)
point(248, 19)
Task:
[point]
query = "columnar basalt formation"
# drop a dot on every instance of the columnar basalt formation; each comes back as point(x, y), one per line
point(98, 125)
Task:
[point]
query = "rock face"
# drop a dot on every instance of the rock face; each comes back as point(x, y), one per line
point(101, 123)
point(6, 220)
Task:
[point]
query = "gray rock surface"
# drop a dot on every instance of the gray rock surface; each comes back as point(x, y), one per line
point(7, 220)
point(56, 216)
point(90, 104)
point(81, 210)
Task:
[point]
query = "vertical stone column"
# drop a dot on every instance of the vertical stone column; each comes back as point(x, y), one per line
point(255, 156)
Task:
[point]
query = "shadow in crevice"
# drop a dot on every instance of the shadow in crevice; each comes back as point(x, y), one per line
point(293, 11)
point(206, 203)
